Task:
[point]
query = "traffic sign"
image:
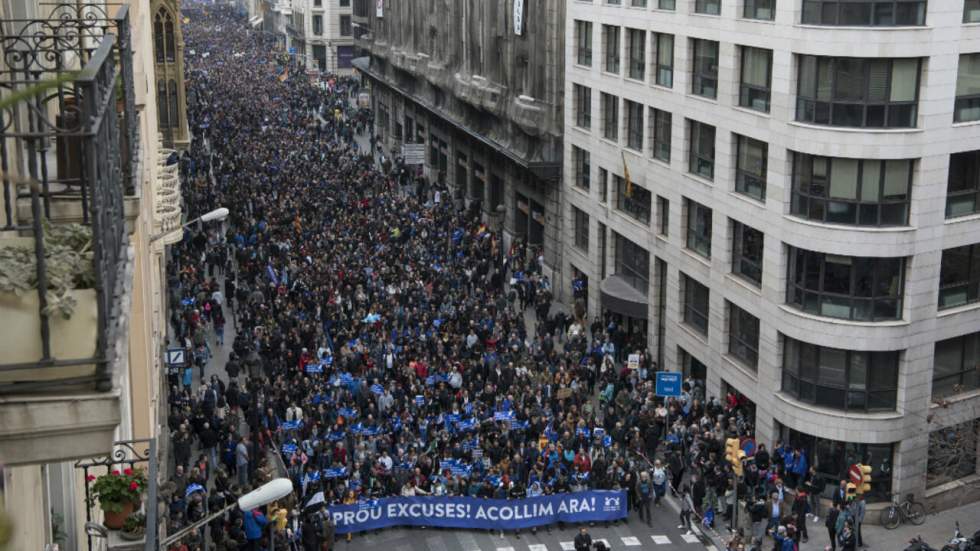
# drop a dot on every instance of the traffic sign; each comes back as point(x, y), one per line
point(668, 383)
point(175, 357)
point(854, 473)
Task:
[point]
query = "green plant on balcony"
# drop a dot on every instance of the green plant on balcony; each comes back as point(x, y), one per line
point(69, 259)
point(117, 494)
point(134, 528)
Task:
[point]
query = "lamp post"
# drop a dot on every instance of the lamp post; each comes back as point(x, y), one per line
point(267, 493)
point(216, 215)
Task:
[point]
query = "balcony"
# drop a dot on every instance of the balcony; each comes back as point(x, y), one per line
point(70, 163)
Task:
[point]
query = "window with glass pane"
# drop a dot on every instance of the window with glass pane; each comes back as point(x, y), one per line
point(583, 105)
point(583, 41)
point(959, 276)
point(743, 336)
point(634, 201)
point(610, 117)
point(709, 7)
point(840, 379)
point(581, 220)
point(856, 192)
point(865, 13)
point(634, 125)
point(633, 264)
point(760, 9)
point(754, 91)
point(664, 59)
point(583, 167)
point(660, 122)
point(953, 453)
point(748, 245)
point(670, 4)
point(971, 11)
point(698, 227)
point(846, 287)
point(963, 184)
point(968, 89)
point(956, 366)
point(639, 3)
point(704, 81)
point(663, 216)
point(695, 304)
point(858, 92)
point(636, 43)
point(603, 185)
point(702, 155)
point(751, 164)
point(610, 40)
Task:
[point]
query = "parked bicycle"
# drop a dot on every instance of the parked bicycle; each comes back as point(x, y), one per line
point(909, 510)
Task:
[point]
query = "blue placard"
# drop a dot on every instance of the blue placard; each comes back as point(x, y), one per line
point(486, 514)
point(419, 400)
point(668, 383)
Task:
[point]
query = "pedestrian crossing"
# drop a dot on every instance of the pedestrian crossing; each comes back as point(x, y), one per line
point(610, 543)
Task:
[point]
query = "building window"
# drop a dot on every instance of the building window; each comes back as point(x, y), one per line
point(634, 125)
point(858, 92)
point(832, 458)
point(963, 184)
point(318, 25)
point(702, 157)
point(760, 9)
point(633, 264)
point(345, 26)
point(661, 122)
point(840, 379)
point(751, 164)
point(956, 366)
point(345, 3)
point(695, 304)
point(174, 112)
point(952, 453)
point(636, 42)
point(748, 245)
point(709, 7)
point(864, 13)
point(664, 59)
point(754, 91)
point(704, 81)
point(698, 227)
point(971, 11)
point(583, 40)
point(603, 185)
point(610, 117)
point(959, 276)
point(846, 287)
point(610, 40)
point(743, 336)
point(857, 192)
point(581, 229)
point(317, 3)
point(163, 105)
point(666, 4)
point(583, 105)
point(663, 216)
point(967, 89)
point(639, 3)
point(583, 166)
point(634, 201)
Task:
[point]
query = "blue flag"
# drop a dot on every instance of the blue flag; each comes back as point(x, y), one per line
point(289, 449)
point(337, 472)
point(419, 400)
point(503, 416)
point(377, 389)
point(292, 425)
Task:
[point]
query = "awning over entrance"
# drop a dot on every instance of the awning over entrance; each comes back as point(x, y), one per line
point(620, 297)
point(255, 21)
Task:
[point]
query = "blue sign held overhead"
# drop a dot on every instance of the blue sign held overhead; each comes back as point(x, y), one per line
point(668, 383)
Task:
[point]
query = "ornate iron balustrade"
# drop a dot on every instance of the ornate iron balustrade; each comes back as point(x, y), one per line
point(69, 137)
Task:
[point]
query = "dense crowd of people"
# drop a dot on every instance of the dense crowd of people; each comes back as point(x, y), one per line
point(387, 342)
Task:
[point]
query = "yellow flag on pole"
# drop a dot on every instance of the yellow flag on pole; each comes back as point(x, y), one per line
point(626, 176)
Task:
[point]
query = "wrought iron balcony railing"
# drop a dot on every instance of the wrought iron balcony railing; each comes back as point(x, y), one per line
point(69, 145)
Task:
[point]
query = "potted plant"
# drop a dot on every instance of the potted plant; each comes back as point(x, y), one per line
point(134, 528)
point(118, 494)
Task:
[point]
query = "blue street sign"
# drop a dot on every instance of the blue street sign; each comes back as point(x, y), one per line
point(668, 383)
point(175, 356)
point(292, 50)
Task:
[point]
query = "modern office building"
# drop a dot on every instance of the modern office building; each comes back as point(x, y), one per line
point(86, 188)
point(479, 86)
point(782, 198)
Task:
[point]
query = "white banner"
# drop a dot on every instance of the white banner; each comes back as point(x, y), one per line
point(518, 17)
point(381, 8)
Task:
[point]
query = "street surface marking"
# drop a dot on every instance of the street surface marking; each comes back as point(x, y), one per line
point(629, 541)
point(661, 540)
point(467, 541)
point(690, 538)
point(505, 549)
point(568, 546)
point(537, 547)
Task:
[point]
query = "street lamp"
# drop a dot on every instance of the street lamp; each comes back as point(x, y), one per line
point(216, 215)
point(263, 495)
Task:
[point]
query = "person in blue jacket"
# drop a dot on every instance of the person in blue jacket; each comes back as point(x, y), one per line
point(255, 522)
point(799, 467)
point(783, 541)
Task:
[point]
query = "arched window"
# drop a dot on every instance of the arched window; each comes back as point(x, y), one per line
point(158, 36)
point(169, 34)
point(174, 114)
point(163, 106)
